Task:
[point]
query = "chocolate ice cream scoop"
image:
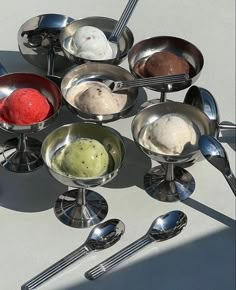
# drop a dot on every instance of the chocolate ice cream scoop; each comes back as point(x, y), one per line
point(165, 63)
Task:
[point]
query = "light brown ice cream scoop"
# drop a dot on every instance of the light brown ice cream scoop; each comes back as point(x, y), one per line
point(96, 98)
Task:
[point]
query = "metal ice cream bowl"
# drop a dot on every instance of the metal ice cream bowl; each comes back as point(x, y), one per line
point(98, 72)
point(142, 50)
point(65, 135)
point(156, 111)
point(106, 25)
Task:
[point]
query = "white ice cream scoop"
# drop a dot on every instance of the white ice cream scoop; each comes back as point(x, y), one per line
point(91, 43)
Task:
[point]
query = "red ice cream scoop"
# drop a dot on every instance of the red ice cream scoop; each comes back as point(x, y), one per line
point(25, 106)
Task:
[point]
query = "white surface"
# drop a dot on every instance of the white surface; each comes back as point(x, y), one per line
point(202, 256)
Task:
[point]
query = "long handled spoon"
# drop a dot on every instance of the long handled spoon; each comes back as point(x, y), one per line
point(215, 153)
point(168, 79)
point(163, 228)
point(102, 236)
point(120, 25)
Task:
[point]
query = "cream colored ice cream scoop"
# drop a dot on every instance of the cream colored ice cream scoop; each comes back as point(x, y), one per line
point(91, 43)
point(171, 134)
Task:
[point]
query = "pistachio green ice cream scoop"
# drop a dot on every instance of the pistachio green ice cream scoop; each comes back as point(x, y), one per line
point(82, 158)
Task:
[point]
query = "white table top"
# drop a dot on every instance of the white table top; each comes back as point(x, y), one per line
point(202, 256)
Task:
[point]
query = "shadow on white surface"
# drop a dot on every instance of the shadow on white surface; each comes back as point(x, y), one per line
point(220, 217)
point(31, 192)
point(13, 61)
point(135, 166)
point(207, 263)
point(35, 191)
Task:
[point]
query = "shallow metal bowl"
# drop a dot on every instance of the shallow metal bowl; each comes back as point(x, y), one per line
point(64, 135)
point(106, 25)
point(98, 72)
point(156, 111)
point(36, 36)
point(13, 81)
point(142, 50)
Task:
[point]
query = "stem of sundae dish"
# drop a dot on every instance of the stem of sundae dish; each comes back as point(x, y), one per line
point(81, 197)
point(51, 60)
point(22, 143)
point(163, 97)
point(170, 176)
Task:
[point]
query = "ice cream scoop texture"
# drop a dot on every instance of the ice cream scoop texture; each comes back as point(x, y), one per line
point(172, 134)
point(84, 157)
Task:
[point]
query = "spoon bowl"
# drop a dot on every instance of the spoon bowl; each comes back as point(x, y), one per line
point(105, 235)
point(163, 228)
point(215, 153)
point(167, 226)
point(202, 99)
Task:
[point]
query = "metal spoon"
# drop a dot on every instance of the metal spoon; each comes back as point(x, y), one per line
point(163, 228)
point(215, 153)
point(120, 25)
point(169, 79)
point(204, 100)
point(101, 237)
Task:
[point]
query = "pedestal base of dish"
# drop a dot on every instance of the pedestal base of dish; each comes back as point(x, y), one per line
point(179, 187)
point(80, 208)
point(21, 155)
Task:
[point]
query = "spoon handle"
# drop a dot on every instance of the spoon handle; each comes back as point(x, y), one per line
point(117, 258)
point(227, 126)
point(56, 268)
point(165, 80)
point(115, 35)
point(231, 181)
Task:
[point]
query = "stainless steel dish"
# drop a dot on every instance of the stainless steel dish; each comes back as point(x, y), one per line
point(36, 37)
point(22, 154)
point(83, 207)
point(105, 24)
point(142, 50)
point(169, 182)
point(98, 72)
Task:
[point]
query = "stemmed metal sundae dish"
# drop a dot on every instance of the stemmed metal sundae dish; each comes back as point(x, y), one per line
point(168, 133)
point(28, 103)
point(82, 155)
point(86, 94)
point(165, 55)
point(87, 40)
point(38, 41)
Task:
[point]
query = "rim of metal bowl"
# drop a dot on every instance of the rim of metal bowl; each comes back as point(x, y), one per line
point(89, 60)
point(99, 117)
point(85, 178)
point(166, 155)
point(164, 36)
point(25, 127)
